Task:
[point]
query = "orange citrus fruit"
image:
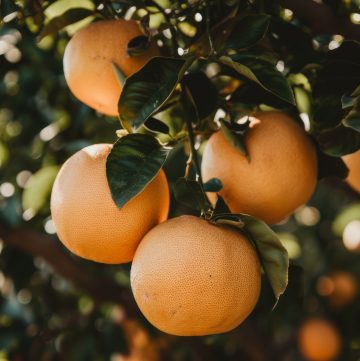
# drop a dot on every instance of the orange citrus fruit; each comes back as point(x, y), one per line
point(89, 57)
point(87, 220)
point(319, 340)
point(352, 161)
point(280, 176)
point(345, 289)
point(192, 278)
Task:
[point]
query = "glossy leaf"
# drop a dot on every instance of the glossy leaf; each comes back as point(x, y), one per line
point(339, 140)
point(189, 193)
point(69, 17)
point(250, 30)
point(352, 120)
point(273, 255)
point(138, 45)
point(261, 72)
point(228, 219)
point(213, 185)
point(132, 164)
point(156, 126)
point(330, 166)
point(237, 140)
point(203, 92)
point(148, 89)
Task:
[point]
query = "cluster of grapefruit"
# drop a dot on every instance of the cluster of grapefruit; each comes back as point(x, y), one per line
point(189, 277)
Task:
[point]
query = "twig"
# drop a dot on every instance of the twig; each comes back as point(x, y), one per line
point(103, 289)
point(208, 27)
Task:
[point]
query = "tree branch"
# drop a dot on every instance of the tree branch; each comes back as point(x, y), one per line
point(321, 19)
point(101, 288)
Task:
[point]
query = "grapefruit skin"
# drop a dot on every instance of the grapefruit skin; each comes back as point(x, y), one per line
point(87, 220)
point(192, 278)
point(88, 60)
point(352, 161)
point(319, 340)
point(281, 174)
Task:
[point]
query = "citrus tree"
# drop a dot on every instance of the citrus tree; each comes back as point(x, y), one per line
point(179, 168)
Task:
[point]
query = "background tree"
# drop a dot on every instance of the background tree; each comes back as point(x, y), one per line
point(231, 58)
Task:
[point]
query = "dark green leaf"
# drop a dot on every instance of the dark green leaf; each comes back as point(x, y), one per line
point(329, 166)
point(148, 89)
point(273, 255)
point(132, 164)
point(189, 193)
point(250, 30)
point(252, 93)
point(237, 140)
point(120, 76)
point(228, 219)
point(69, 17)
point(221, 206)
point(356, 92)
point(138, 45)
point(203, 92)
point(213, 185)
point(261, 72)
point(352, 120)
point(339, 140)
point(156, 126)
point(347, 101)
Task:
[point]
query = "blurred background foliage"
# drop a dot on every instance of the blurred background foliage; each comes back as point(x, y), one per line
point(55, 306)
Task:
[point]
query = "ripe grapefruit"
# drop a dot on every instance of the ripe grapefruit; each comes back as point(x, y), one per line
point(319, 340)
point(192, 278)
point(88, 221)
point(281, 174)
point(88, 59)
point(352, 161)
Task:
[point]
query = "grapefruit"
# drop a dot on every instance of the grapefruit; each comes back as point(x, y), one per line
point(280, 176)
point(89, 57)
point(87, 220)
point(192, 278)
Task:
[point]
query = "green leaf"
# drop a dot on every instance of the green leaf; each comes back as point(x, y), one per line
point(148, 89)
point(156, 126)
point(237, 140)
point(38, 188)
point(213, 185)
point(120, 76)
point(69, 17)
point(132, 164)
point(189, 193)
point(250, 30)
point(261, 72)
point(138, 45)
point(329, 166)
point(339, 140)
point(228, 219)
point(203, 93)
point(347, 101)
point(352, 120)
point(273, 255)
